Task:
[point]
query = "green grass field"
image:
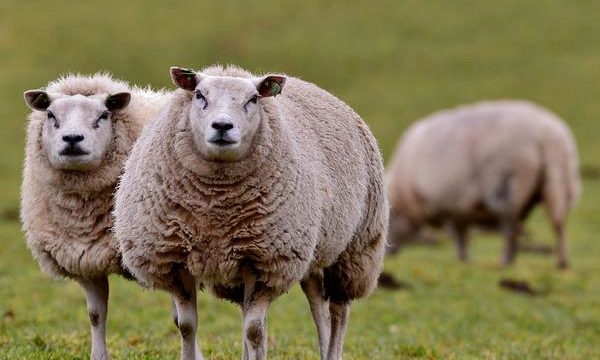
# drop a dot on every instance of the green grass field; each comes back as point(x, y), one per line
point(393, 61)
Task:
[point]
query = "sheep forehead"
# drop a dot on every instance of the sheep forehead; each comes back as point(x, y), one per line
point(226, 86)
point(80, 103)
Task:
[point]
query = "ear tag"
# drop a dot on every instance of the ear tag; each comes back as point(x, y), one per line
point(275, 88)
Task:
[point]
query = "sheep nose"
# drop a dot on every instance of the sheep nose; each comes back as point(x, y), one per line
point(222, 126)
point(72, 139)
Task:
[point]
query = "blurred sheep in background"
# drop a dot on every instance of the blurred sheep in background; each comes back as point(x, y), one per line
point(486, 164)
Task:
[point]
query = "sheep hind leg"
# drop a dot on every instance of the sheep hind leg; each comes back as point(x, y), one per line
point(339, 292)
point(254, 312)
point(562, 252)
point(319, 307)
point(174, 312)
point(96, 291)
point(339, 322)
point(557, 215)
point(511, 231)
point(184, 299)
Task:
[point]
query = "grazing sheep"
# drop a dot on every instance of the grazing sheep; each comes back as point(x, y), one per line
point(249, 194)
point(486, 164)
point(78, 137)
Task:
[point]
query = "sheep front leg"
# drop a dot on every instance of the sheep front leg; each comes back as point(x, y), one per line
point(319, 307)
point(460, 235)
point(184, 298)
point(339, 312)
point(96, 291)
point(254, 312)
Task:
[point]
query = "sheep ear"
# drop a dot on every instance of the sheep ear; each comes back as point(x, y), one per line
point(270, 85)
point(117, 101)
point(184, 78)
point(37, 99)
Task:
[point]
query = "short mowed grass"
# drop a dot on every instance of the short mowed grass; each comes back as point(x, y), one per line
point(393, 61)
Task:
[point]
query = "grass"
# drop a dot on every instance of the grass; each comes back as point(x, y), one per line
point(393, 62)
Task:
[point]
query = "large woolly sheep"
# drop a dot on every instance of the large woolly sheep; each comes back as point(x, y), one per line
point(78, 138)
point(249, 194)
point(484, 164)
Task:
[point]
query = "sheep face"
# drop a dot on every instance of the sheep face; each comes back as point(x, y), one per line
point(78, 130)
point(226, 111)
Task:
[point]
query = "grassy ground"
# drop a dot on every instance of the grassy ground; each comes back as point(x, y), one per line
point(393, 61)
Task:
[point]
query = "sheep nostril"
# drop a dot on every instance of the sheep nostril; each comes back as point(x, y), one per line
point(222, 126)
point(72, 139)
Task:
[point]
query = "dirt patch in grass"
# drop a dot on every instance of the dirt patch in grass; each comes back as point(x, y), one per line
point(520, 287)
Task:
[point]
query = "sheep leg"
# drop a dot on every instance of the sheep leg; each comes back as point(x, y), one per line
point(254, 312)
point(339, 321)
point(184, 298)
point(460, 236)
point(174, 312)
point(319, 307)
point(96, 291)
point(245, 355)
point(562, 252)
point(511, 232)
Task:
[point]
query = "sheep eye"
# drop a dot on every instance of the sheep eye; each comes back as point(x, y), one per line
point(252, 100)
point(102, 117)
point(52, 118)
point(199, 96)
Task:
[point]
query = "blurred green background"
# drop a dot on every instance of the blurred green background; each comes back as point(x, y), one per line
point(393, 62)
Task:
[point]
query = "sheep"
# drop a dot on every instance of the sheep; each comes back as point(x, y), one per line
point(78, 136)
point(486, 164)
point(247, 194)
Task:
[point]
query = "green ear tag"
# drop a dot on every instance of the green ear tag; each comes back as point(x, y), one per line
point(275, 88)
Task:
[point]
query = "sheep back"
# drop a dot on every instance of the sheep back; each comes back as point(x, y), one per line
point(482, 161)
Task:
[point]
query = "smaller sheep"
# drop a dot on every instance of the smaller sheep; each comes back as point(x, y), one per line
point(248, 194)
point(486, 164)
point(78, 137)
